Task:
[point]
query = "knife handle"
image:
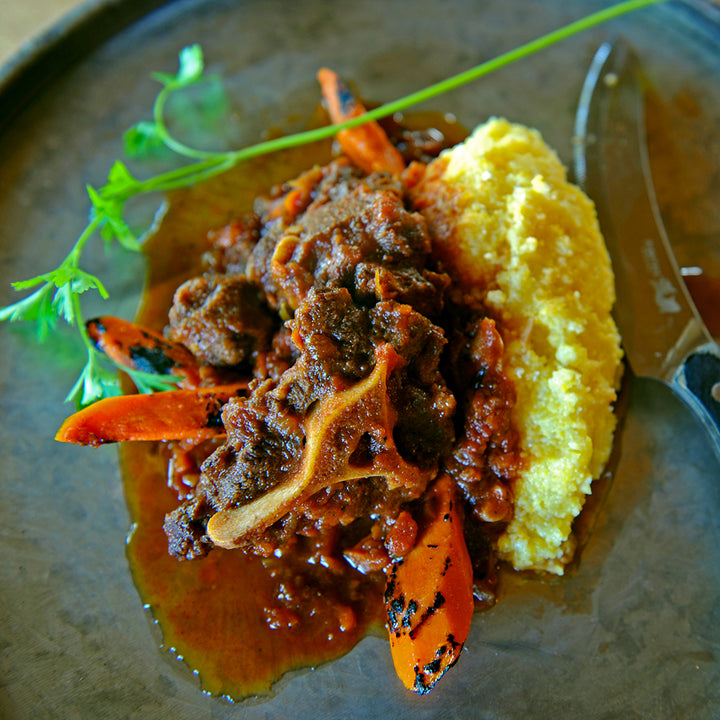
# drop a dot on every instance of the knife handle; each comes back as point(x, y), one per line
point(697, 384)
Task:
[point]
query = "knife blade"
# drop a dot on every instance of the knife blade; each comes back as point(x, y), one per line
point(663, 335)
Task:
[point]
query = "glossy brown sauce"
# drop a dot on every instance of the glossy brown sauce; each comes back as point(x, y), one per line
point(686, 182)
point(220, 613)
point(240, 622)
point(705, 292)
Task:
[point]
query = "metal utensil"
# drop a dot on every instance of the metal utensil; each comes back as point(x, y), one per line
point(663, 335)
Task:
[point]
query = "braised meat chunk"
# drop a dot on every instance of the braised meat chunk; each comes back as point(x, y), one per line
point(355, 233)
point(221, 319)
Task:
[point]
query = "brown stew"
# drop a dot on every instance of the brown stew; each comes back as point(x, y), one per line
point(305, 587)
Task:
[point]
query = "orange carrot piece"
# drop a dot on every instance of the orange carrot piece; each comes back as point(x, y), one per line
point(429, 597)
point(192, 414)
point(140, 348)
point(366, 145)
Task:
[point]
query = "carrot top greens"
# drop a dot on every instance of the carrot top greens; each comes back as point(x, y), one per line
point(58, 291)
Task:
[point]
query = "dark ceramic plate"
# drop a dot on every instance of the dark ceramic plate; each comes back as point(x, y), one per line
point(633, 632)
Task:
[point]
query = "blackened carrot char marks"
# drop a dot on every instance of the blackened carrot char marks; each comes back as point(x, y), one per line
point(366, 145)
point(428, 596)
point(139, 348)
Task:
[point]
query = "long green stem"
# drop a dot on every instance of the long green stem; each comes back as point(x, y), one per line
point(74, 255)
point(188, 175)
point(170, 142)
point(502, 60)
point(214, 163)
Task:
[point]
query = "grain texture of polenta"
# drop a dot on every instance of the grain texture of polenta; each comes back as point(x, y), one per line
point(528, 242)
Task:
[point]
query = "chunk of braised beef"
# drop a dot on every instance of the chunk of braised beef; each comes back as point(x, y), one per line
point(231, 246)
point(333, 334)
point(282, 355)
point(221, 319)
point(485, 459)
point(356, 233)
point(425, 405)
point(264, 440)
point(422, 289)
point(319, 185)
point(186, 527)
point(413, 336)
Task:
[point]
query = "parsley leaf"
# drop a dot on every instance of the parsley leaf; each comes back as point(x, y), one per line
point(94, 383)
point(36, 308)
point(142, 140)
point(147, 382)
point(191, 67)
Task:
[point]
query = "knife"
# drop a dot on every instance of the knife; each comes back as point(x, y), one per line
point(663, 335)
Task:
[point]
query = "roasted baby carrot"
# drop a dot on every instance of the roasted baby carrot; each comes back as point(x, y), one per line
point(140, 348)
point(429, 597)
point(192, 414)
point(366, 145)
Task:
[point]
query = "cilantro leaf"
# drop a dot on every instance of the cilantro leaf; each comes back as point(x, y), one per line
point(63, 305)
point(36, 308)
point(147, 382)
point(94, 383)
point(109, 211)
point(71, 282)
point(191, 67)
point(120, 181)
point(142, 140)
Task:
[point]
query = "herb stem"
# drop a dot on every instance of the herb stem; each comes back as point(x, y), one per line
point(168, 140)
point(74, 256)
point(500, 61)
point(185, 175)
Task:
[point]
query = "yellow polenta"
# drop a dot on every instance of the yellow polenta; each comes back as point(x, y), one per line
point(528, 243)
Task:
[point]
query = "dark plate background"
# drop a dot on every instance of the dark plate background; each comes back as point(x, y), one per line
point(634, 632)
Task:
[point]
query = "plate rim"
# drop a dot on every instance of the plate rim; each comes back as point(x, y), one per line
point(67, 41)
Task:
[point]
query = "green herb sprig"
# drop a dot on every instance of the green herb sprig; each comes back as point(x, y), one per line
point(58, 291)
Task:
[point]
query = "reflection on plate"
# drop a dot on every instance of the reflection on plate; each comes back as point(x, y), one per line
point(633, 631)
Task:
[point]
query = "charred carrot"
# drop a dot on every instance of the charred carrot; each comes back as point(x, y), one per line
point(428, 597)
point(192, 414)
point(140, 348)
point(366, 145)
